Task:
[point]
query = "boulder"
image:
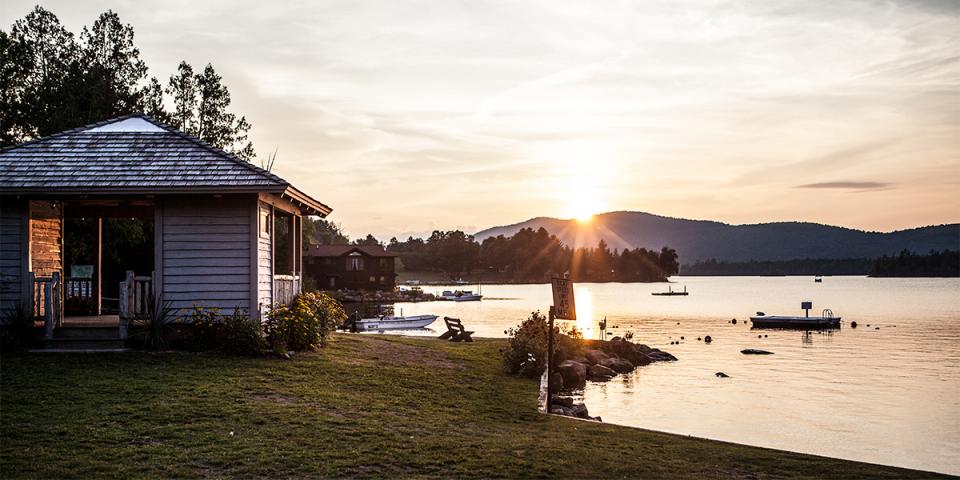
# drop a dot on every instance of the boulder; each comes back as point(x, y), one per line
point(599, 373)
point(557, 400)
point(580, 411)
point(595, 357)
point(557, 382)
point(618, 365)
point(753, 351)
point(574, 374)
point(658, 355)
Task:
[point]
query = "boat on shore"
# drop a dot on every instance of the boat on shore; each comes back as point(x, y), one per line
point(391, 322)
point(671, 293)
point(460, 296)
point(806, 322)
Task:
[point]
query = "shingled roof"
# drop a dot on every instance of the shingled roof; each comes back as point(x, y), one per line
point(135, 154)
point(341, 250)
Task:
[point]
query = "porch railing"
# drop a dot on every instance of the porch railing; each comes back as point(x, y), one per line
point(285, 287)
point(79, 287)
point(134, 303)
point(47, 301)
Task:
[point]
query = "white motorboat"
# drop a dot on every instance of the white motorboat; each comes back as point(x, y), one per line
point(390, 322)
point(826, 320)
point(460, 296)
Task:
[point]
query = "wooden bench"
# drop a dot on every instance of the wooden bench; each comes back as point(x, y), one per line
point(455, 331)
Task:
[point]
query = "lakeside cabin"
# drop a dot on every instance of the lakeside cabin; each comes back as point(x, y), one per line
point(351, 267)
point(226, 233)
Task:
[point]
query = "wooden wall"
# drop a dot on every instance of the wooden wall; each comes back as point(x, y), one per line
point(206, 252)
point(12, 223)
point(265, 255)
point(46, 237)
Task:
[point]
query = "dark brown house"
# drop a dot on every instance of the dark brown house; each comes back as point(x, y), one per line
point(350, 267)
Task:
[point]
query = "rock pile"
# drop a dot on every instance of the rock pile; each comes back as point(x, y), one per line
point(600, 361)
point(567, 407)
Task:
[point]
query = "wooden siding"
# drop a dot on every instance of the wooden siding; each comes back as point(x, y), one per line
point(264, 256)
point(206, 253)
point(11, 254)
point(46, 237)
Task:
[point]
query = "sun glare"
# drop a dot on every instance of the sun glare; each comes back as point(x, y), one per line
point(583, 170)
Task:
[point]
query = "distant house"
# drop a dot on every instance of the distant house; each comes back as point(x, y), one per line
point(227, 234)
point(350, 267)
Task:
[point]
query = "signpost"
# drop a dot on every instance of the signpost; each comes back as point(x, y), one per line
point(563, 308)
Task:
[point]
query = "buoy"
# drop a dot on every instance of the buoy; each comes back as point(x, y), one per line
point(707, 339)
point(734, 321)
point(764, 336)
point(698, 339)
point(759, 336)
point(681, 338)
point(853, 324)
point(876, 328)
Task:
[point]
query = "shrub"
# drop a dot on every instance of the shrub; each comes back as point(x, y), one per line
point(526, 352)
point(156, 325)
point(305, 323)
point(17, 328)
point(240, 335)
point(202, 330)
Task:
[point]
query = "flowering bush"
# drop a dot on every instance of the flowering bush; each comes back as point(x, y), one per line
point(202, 331)
point(526, 352)
point(240, 334)
point(305, 323)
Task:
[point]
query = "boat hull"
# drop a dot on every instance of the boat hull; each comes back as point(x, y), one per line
point(395, 323)
point(669, 294)
point(803, 323)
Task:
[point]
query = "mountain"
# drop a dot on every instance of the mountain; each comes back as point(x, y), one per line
point(697, 240)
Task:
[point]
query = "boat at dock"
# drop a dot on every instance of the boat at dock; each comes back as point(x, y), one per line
point(390, 322)
point(460, 296)
point(806, 322)
point(671, 293)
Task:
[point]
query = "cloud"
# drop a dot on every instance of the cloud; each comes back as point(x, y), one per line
point(847, 185)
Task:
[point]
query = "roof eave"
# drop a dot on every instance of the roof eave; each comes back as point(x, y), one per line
point(308, 203)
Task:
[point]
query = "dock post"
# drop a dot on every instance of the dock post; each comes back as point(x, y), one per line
point(550, 361)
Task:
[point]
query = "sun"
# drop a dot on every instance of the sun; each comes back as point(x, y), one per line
point(582, 203)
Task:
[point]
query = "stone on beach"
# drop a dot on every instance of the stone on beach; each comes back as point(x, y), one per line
point(574, 374)
point(595, 357)
point(599, 373)
point(618, 365)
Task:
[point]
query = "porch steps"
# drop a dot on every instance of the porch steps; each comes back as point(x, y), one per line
point(84, 339)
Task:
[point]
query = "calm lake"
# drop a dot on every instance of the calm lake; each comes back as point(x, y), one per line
point(888, 395)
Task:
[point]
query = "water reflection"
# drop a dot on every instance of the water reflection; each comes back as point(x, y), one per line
point(584, 303)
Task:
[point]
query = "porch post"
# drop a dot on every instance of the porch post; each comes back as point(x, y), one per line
point(98, 268)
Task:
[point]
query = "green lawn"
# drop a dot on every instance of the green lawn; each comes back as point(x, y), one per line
point(364, 407)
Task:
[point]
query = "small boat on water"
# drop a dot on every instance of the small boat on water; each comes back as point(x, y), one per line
point(818, 279)
point(671, 293)
point(806, 322)
point(460, 296)
point(390, 322)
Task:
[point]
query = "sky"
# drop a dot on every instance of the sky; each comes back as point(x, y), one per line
point(410, 116)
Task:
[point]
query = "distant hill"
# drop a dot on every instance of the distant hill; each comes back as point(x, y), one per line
point(697, 240)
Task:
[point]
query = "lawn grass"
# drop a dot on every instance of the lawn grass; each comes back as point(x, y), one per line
point(363, 407)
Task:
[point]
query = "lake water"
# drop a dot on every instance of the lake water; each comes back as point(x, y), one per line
point(889, 395)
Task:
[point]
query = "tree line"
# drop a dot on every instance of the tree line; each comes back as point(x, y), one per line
point(528, 256)
point(905, 264)
point(52, 80)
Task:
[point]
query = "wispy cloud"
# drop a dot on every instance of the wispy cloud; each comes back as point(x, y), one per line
point(847, 185)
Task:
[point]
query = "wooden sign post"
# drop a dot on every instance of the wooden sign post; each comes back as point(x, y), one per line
point(563, 308)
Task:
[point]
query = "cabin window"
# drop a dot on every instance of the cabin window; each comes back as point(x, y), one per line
point(265, 223)
point(383, 280)
point(285, 242)
point(373, 279)
point(354, 264)
point(333, 282)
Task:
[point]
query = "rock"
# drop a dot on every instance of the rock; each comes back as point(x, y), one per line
point(853, 324)
point(599, 373)
point(698, 339)
point(661, 356)
point(580, 411)
point(557, 411)
point(722, 375)
point(734, 321)
point(707, 339)
point(759, 336)
point(574, 374)
point(681, 338)
point(557, 382)
point(557, 400)
point(595, 357)
point(618, 365)
point(632, 352)
point(753, 351)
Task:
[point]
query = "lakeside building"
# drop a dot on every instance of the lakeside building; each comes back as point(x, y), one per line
point(351, 267)
point(226, 233)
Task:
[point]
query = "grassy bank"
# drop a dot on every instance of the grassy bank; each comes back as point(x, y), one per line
point(365, 406)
